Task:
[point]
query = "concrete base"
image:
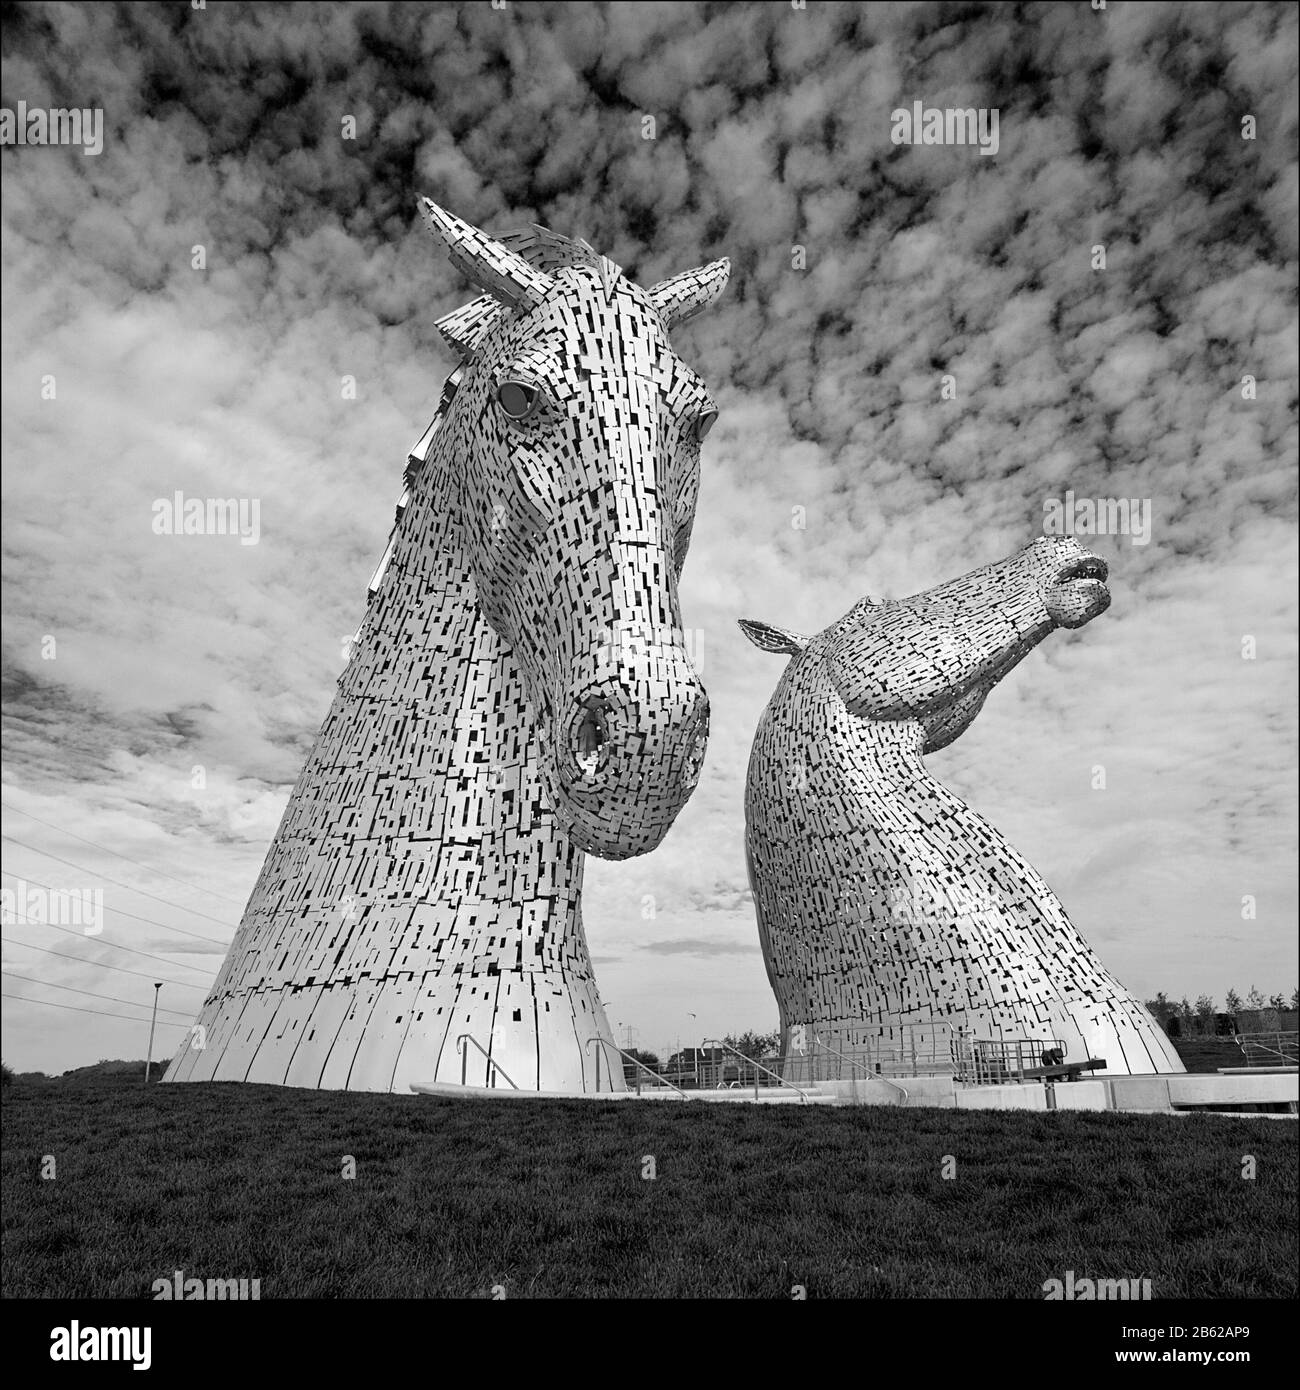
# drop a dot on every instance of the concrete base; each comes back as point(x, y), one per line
point(1027, 1097)
point(1078, 1095)
point(1143, 1094)
point(773, 1096)
point(1138, 1092)
point(908, 1090)
point(1192, 1088)
point(1262, 1088)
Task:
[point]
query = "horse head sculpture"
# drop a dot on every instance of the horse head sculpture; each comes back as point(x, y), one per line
point(891, 913)
point(518, 695)
point(574, 504)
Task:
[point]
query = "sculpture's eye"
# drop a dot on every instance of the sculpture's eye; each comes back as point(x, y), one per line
point(519, 400)
point(705, 423)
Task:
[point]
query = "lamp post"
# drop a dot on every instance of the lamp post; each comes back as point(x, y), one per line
point(695, 1053)
point(148, 1061)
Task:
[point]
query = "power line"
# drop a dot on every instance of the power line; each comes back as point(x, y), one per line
point(95, 874)
point(81, 936)
point(81, 1009)
point(167, 902)
point(94, 844)
point(72, 989)
point(99, 964)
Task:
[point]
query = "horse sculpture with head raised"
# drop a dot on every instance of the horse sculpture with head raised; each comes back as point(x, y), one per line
point(890, 913)
point(519, 694)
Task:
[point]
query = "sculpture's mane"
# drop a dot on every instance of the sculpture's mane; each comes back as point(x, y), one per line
point(540, 247)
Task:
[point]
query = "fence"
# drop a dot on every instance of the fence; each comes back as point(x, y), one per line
point(923, 1049)
point(1269, 1049)
point(731, 1071)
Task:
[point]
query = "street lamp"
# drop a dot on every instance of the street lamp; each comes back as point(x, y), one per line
point(148, 1061)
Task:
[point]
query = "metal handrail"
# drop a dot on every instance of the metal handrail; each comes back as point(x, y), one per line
point(936, 1053)
point(492, 1062)
point(871, 1076)
point(758, 1066)
point(994, 1055)
point(1284, 1046)
point(636, 1061)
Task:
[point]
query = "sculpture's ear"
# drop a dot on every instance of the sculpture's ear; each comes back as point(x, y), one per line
point(464, 328)
point(686, 294)
point(490, 265)
point(772, 639)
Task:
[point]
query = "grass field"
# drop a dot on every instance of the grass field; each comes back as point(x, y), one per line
point(1207, 1054)
point(548, 1199)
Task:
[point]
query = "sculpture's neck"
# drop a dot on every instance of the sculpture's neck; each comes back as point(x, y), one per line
point(495, 836)
point(886, 753)
point(889, 778)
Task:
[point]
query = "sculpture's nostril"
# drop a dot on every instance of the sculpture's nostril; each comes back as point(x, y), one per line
point(591, 737)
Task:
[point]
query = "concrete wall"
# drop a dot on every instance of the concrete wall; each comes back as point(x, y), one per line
point(1133, 1093)
point(1138, 1092)
point(1080, 1095)
point(1259, 1088)
point(1028, 1097)
point(921, 1090)
point(1165, 1092)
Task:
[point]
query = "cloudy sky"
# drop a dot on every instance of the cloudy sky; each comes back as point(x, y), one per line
point(223, 128)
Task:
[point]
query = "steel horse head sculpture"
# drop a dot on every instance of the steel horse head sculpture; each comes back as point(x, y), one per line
point(887, 908)
point(518, 695)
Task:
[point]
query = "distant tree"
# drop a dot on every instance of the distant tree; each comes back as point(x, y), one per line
point(1205, 1013)
point(647, 1059)
point(689, 1058)
point(1254, 1000)
point(755, 1045)
point(1277, 1001)
point(1186, 1014)
point(1295, 998)
point(1160, 1008)
point(6, 1074)
point(1232, 1004)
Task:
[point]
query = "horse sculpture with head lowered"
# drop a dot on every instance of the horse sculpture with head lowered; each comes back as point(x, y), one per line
point(889, 910)
point(518, 695)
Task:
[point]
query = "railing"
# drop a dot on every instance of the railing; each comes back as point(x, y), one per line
point(857, 1066)
point(1274, 1049)
point(997, 1061)
point(922, 1049)
point(928, 1048)
point(758, 1067)
point(636, 1062)
point(494, 1065)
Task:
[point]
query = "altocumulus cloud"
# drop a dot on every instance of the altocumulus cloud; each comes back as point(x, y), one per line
point(836, 469)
